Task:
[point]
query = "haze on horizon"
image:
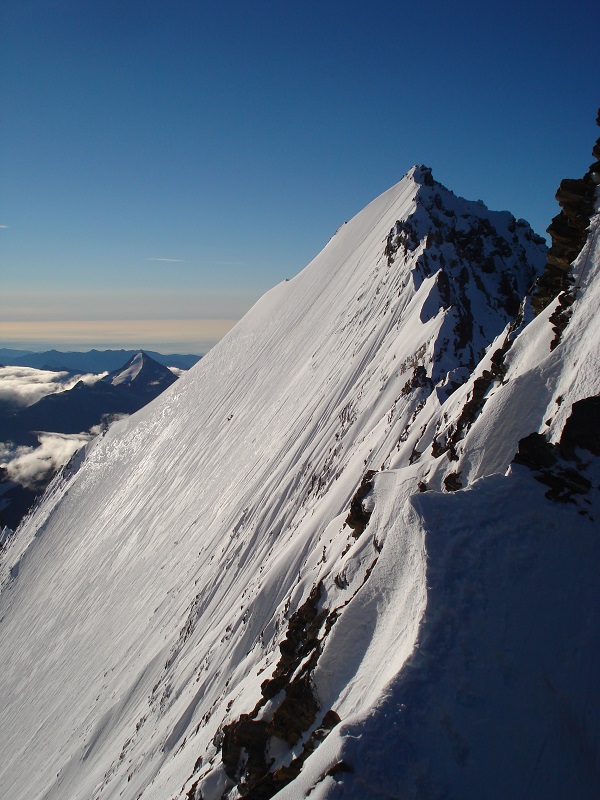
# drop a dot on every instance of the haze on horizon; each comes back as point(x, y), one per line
point(166, 163)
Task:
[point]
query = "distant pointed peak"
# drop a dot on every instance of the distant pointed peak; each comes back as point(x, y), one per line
point(140, 364)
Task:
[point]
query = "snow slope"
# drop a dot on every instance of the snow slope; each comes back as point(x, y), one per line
point(191, 611)
point(499, 698)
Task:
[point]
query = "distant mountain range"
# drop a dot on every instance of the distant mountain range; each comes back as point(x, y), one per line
point(90, 361)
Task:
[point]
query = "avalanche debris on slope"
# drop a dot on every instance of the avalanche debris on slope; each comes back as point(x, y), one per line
point(190, 613)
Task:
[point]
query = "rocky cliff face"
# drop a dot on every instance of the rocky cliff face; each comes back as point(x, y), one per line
point(569, 233)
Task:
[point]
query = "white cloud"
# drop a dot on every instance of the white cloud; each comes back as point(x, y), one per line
point(176, 371)
point(32, 467)
point(8, 451)
point(89, 378)
point(23, 386)
point(171, 260)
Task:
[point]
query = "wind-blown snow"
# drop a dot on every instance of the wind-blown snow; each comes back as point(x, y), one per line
point(144, 601)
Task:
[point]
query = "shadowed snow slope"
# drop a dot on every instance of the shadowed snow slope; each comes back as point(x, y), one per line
point(192, 612)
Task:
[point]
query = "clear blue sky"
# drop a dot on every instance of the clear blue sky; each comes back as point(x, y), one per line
point(234, 138)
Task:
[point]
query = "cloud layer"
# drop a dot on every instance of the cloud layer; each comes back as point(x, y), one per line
point(164, 335)
point(24, 386)
point(33, 467)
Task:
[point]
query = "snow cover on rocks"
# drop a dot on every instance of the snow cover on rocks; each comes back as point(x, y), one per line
point(192, 603)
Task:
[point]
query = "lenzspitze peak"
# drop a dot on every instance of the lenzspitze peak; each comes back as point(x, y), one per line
point(313, 566)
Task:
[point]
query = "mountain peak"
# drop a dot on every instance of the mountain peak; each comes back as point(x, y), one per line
point(286, 555)
point(473, 263)
point(141, 373)
point(421, 175)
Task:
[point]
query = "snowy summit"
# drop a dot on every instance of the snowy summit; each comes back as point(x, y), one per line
point(313, 567)
point(141, 374)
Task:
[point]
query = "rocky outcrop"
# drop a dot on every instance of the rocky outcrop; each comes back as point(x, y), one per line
point(568, 231)
point(477, 258)
point(419, 380)
point(359, 516)
point(559, 466)
point(582, 428)
point(472, 407)
point(245, 742)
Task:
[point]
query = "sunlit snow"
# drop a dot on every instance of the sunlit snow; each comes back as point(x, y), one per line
point(144, 601)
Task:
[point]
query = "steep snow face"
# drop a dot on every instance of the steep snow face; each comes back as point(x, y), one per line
point(204, 596)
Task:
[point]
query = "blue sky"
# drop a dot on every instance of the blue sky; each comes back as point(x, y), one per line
point(173, 159)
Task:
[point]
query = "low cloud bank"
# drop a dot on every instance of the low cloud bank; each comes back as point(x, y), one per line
point(33, 467)
point(24, 386)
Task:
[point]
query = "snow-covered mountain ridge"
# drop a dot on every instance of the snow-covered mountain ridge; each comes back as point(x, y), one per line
point(200, 609)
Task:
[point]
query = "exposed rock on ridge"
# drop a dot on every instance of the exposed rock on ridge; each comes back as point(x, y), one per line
point(568, 230)
point(483, 263)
